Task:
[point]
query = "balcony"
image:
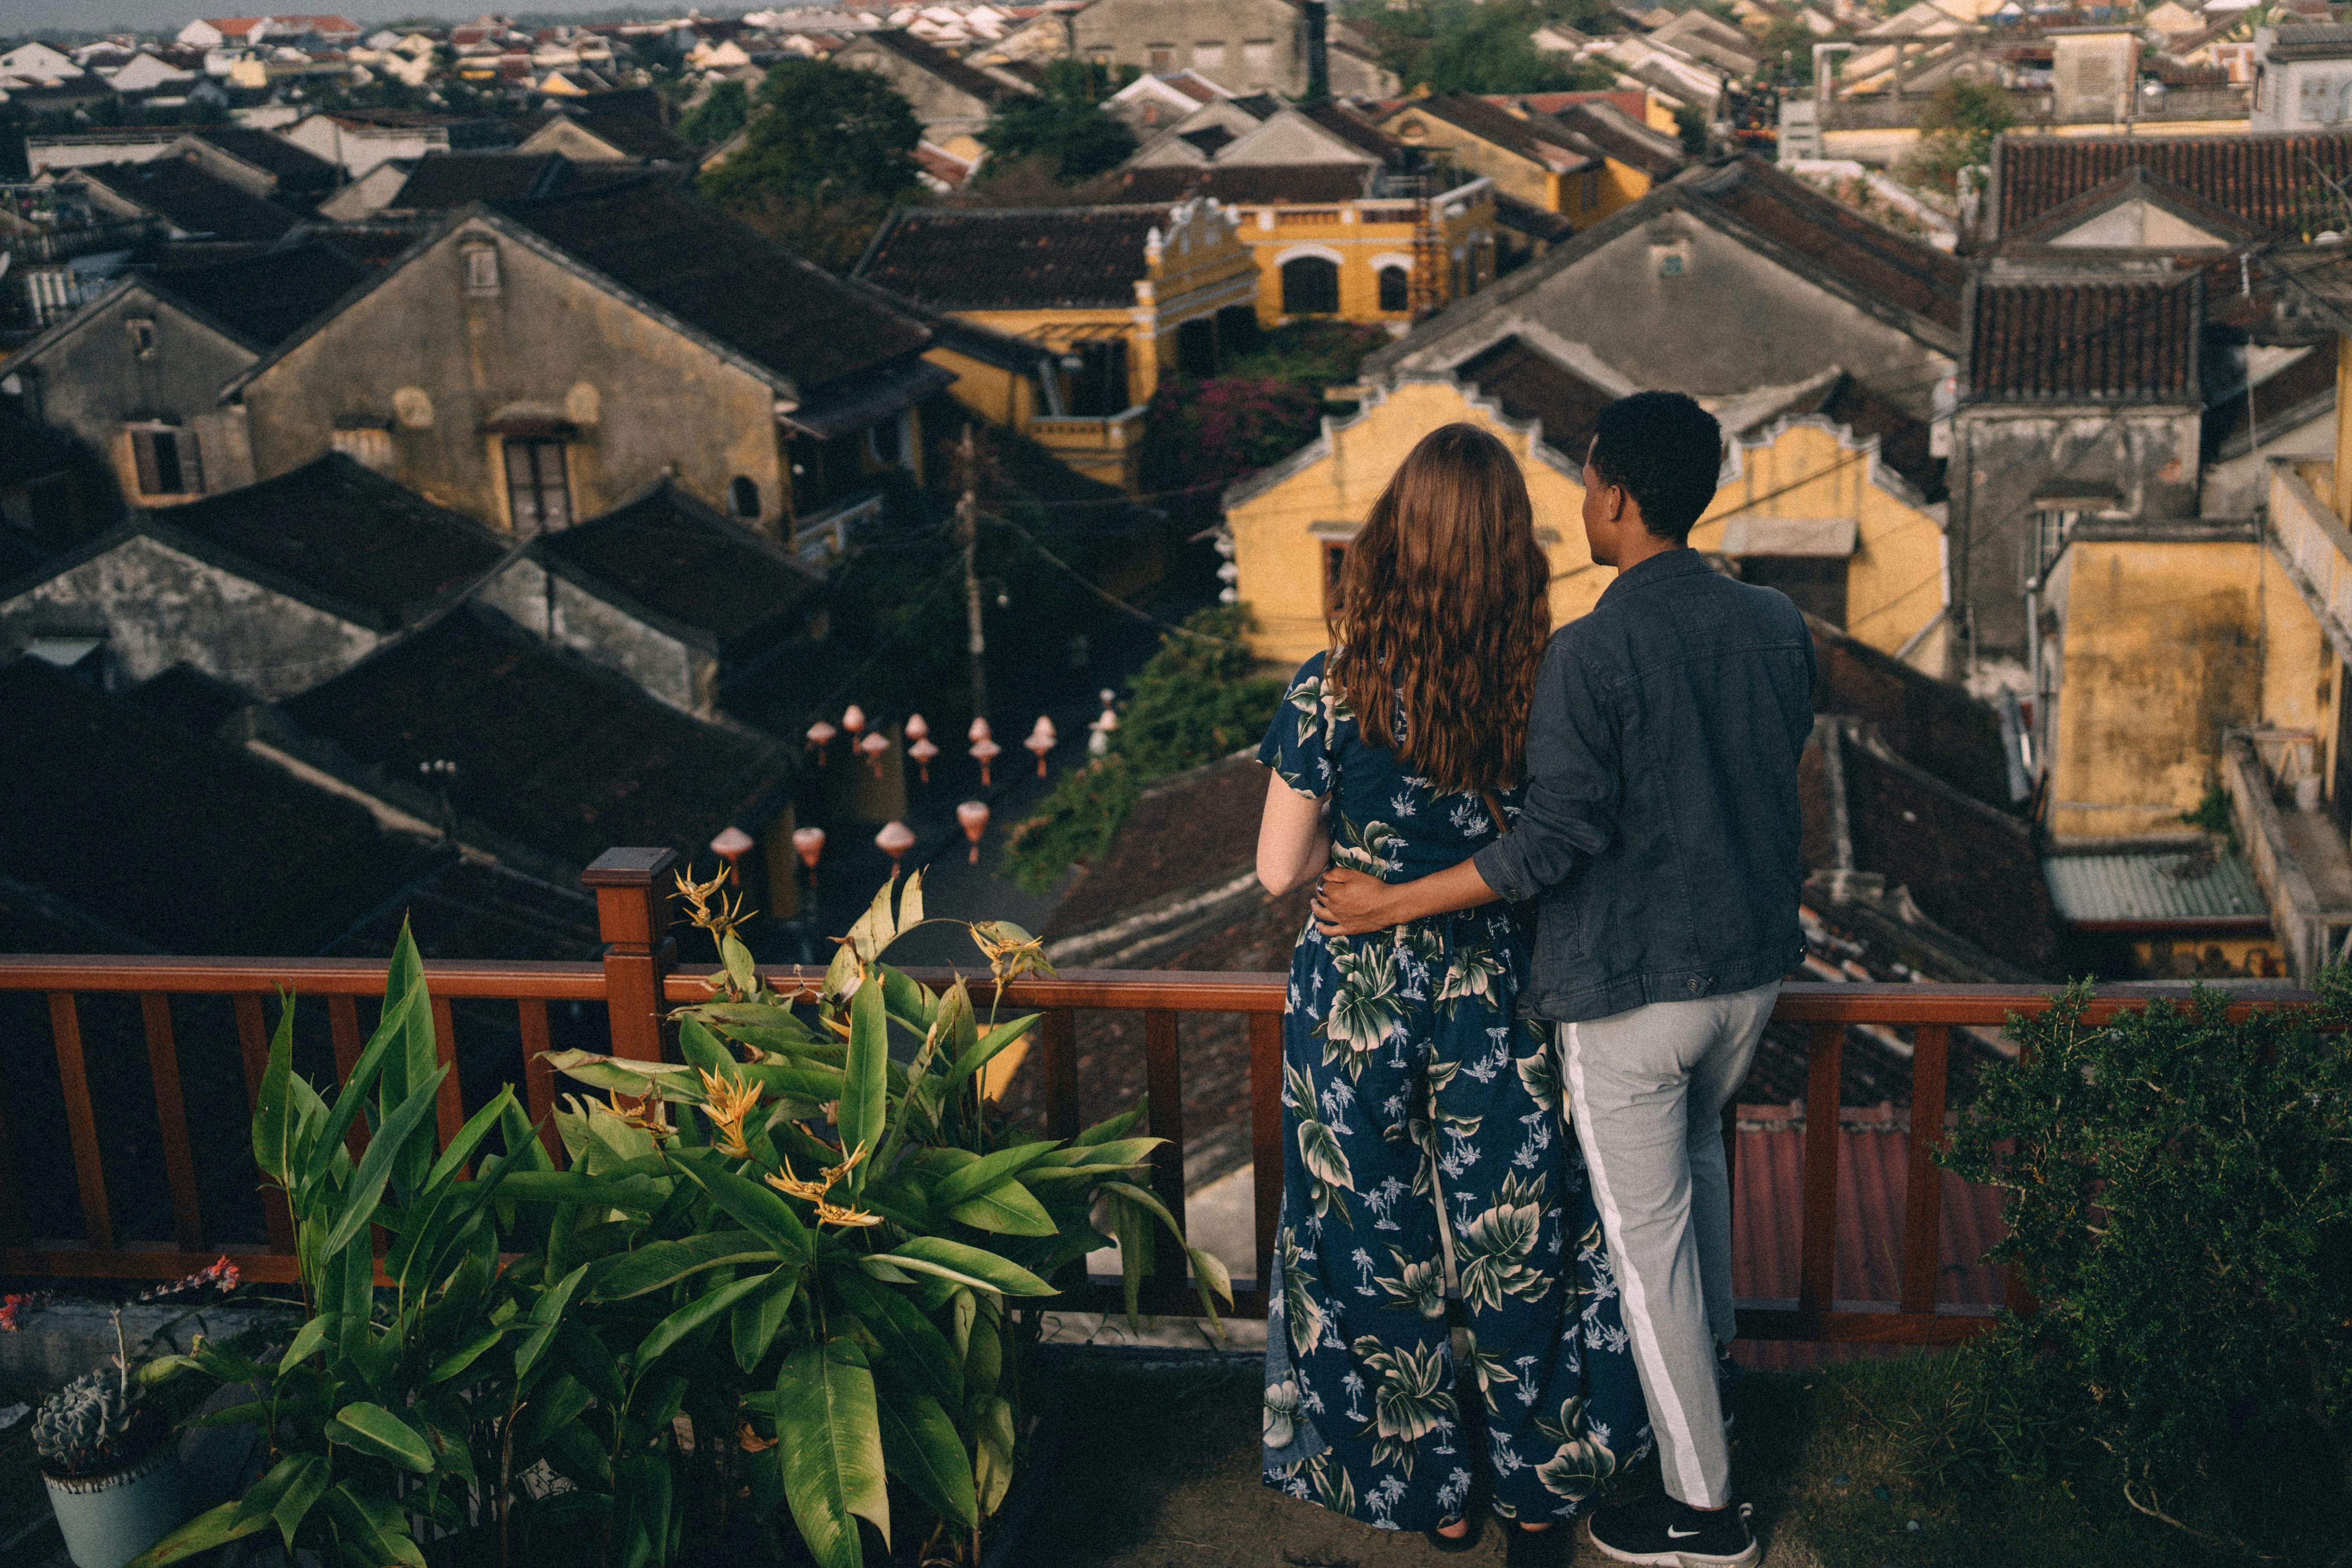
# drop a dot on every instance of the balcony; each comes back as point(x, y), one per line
point(130, 1037)
point(825, 536)
point(1101, 446)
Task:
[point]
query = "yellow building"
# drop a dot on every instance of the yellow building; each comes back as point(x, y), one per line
point(1584, 160)
point(1357, 258)
point(1114, 299)
point(1809, 503)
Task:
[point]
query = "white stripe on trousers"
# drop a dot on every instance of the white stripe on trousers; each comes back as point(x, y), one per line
point(1659, 1385)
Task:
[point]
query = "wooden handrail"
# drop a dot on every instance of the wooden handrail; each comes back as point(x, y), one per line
point(639, 980)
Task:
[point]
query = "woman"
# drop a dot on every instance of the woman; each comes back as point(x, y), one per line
point(1422, 1120)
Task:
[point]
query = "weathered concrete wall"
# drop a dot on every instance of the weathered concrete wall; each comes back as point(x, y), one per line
point(1787, 326)
point(433, 364)
point(664, 666)
point(1124, 32)
point(90, 381)
point(159, 606)
point(2002, 459)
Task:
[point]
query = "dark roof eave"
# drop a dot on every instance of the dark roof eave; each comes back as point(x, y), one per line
point(901, 385)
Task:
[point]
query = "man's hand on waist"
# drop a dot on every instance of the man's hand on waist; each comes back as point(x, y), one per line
point(1349, 903)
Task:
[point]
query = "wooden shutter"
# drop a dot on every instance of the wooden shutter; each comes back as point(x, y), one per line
point(554, 486)
point(522, 488)
point(192, 462)
point(143, 452)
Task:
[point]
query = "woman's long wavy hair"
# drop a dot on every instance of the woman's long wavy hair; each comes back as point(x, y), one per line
point(1445, 603)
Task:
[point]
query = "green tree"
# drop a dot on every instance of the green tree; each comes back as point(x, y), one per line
point(718, 116)
point(826, 153)
point(1065, 123)
point(1788, 46)
point(1956, 133)
point(1460, 46)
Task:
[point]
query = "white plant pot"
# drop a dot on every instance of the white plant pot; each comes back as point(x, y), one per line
point(2307, 793)
point(109, 1520)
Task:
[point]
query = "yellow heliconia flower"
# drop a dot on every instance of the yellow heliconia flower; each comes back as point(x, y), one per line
point(834, 1213)
point(646, 1113)
point(1010, 951)
point(827, 1212)
point(730, 1101)
point(725, 918)
point(792, 1186)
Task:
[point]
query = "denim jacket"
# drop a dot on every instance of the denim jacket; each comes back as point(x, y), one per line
point(1660, 834)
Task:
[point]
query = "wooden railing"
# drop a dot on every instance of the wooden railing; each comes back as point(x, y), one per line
point(638, 979)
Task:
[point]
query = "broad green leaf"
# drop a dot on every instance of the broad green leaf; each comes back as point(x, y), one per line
point(917, 1351)
point(546, 1316)
point(371, 1429)
point(1125, 1153)
point(755, 1204)
point(276, 1125)
point(752, 1014)
point(830, 1449)
point(372, 1527)
point(213, 1527)
point(392, 1028)
point(989, 1045)
point(987, 1171)
point(410, 1069)
point(993, 1467)
point(1008, 1208)
point(469, 1138)
point(302, 1495)
point(262, 1496)
point(359, 1199)
point(757, 1318)
point(862, 1092)
point(464, 1356)
point(704, 1309)
point(811, 1081)
point(632, 1193)
point(965, 1265)
point(702, 1050)
point(737, 960)
point(921, 1447)
point(660, 1263)
point(312, 1335)
point(1116, 1127)
point(872, 931)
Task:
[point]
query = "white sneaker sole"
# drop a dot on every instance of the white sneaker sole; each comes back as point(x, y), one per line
point(1746, 1559)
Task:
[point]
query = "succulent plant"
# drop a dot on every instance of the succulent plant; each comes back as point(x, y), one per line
point(87, 1427)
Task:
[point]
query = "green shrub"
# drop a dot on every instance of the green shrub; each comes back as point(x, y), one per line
point(1195, 702)
point(2180, 1201)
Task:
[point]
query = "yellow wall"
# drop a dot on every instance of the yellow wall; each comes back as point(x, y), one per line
point(1279, 552)
point(1894, 582)
point(1590, 197)
point(1515, 176)
point(1270, 231)
point(1001, 396)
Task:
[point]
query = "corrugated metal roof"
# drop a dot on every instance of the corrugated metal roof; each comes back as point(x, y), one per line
point(2190, 889)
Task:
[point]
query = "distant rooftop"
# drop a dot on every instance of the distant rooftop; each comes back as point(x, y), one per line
point(2146, 891)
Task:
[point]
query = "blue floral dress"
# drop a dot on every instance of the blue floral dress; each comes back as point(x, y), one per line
point(1410, 1082)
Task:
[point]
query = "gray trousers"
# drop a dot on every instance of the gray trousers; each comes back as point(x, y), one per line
point(1648, 1089)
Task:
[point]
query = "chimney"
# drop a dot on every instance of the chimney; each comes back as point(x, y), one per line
point(1318, 57)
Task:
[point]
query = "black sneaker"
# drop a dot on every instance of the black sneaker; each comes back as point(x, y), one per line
point(1664, 1533)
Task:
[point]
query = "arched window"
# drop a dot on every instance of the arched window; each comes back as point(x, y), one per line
point(1310, 287)
point(1396, 289)
point(743, 496)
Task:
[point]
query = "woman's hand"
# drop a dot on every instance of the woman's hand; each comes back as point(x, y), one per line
point(1349, 903)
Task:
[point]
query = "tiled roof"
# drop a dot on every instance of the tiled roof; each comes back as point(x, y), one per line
point(193, 200)
point(1251, 184)
point(1622, 136)
point(2083, 341)
point(1012, 259)
point(1538, 141)
point(269, 295)
point(1903, 438)
point(445, 180)
point(1531, 384)
point(2268, 180)
point(721, 278)
point(941, 64)
point(2139, 891)
point(1887, 265)
point(2135, 184)
point(1935, 723)
point(1527, 218)
point(1179, 838)
point(1353, 128)
point(629, 119)
point(207, 851)
point(553, 751)
point(299, 170)
point(673, 555)
point(469, 911)
point(347, 533)
point(2294, 394)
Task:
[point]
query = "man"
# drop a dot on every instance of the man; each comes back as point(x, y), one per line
point(1660, 835)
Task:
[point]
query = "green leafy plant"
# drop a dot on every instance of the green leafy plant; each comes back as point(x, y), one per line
point(1064, 125)
point(2180, 1201)
point(1200, 698)
point(831, 1309)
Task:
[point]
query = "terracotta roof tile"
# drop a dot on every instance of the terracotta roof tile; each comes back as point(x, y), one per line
point(2269, 180)
point(2083, 341)
point(676, 557)
point(1253, 184)
point(1531, 384)
point(1013, 258)
point(191, 199)
point(1878, 262)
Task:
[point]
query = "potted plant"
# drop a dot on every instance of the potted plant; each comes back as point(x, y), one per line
point(111, 1462)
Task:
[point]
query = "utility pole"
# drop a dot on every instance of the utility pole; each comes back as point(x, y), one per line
point(967, 526)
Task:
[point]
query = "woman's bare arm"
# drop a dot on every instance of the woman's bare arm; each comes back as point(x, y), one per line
point(1293, 845)
point(1350, 904)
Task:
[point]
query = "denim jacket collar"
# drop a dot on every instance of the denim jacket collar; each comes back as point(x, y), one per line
point(1658, 568)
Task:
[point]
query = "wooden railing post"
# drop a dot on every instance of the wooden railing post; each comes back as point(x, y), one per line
point(633, 918)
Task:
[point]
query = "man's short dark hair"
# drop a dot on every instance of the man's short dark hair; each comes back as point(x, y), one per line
point(1665, 451)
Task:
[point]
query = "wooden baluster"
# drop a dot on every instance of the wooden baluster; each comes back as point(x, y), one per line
point(253, 1048)
point(1164, 1077)
point(343, 1024)
point(632, 896)
point(1058, 1039)
point(82, 1125)
point(1817, 1261)
point(1922, 1182)
point(538, 1077)
point(172, 1121)
point(1265, 1136)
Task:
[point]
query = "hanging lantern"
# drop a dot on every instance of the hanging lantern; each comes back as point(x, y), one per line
point(853, 718)
point(895, 839)
point(979, 732)
point(922, 751)
point(874, 746)
point(820, 735)
point(730, 846)
point(1041, 741)
point(809, 843)
point(974, 815)
point(985, 751)
point(917, 727)
point(1099, 741)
